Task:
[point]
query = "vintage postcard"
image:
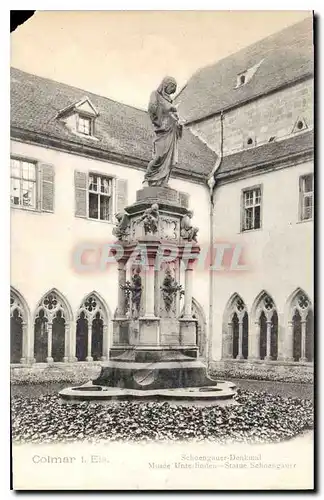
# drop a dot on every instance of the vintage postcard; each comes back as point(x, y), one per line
point(162, 204)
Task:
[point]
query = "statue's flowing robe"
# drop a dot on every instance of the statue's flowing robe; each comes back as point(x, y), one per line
point(165, 146)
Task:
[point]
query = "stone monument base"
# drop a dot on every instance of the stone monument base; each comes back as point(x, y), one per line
point(221, 393)
point(156, 374)
point(175, 370)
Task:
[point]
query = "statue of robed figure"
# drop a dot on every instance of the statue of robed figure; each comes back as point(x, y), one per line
point(168, 131)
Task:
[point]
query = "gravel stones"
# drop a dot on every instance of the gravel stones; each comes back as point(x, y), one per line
point(259, 418)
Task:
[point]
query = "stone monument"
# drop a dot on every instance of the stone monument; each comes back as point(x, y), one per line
point(154, 350)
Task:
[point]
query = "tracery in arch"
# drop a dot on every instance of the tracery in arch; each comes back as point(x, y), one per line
point(92, 327)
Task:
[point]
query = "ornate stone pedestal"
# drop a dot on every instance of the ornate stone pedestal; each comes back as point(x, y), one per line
point(154, 349)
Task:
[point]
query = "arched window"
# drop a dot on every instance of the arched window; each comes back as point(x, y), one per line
point(92, 329)
point(302, 324)
point(236, 335)
point(267, 323)
point(51, 328)
point(18, 326)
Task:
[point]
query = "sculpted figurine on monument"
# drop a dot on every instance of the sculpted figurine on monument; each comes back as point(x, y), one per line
point(168, 131)
point(121, 230)
point(150, 219)
point(187, 230)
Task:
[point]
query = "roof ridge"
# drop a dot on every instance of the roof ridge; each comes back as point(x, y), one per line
point(86, 92)
point(245, 48)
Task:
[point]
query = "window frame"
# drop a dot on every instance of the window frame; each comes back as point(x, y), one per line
point(112, 196)
point(85, 116)
point(243, 208)
point(239, 77)
point(38, 192)
point(303, 194)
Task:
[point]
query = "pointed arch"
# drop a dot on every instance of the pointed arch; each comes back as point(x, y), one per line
point(235, 328)
point(293, 302)
point(235, 299)
point(261, 303)
point(299, 317)
point(52, 319)
point(92, 328)
point(264, 315)
point(19, 301)
point(63, 303)
point(101, 306)
point(19, 322)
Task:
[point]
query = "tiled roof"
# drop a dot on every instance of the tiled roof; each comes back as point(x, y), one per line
point(121, 129)
point(286, 56)
point(299, 143)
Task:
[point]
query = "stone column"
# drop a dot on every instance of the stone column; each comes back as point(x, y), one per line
point(149, 292)
point(49, 358)
point(149, 324)
point(89, 357)
point(227, 342)
point(24, 354)
point(188, 293)
point(268, 349)
point(157, 292)
point(105, 343)
point(303, 358)
point(30, 333)
point(240, 340)
point(67, 341)
point(254, 343)
point(286, 348)
point(121, 313)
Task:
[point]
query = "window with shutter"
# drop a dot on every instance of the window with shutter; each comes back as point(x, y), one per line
point(306, 197)
point(47, 187)
point(251, 210)
point(97, 196)
point(80, 185)
point(23, 177)
point(32, 185)
point(100, 193)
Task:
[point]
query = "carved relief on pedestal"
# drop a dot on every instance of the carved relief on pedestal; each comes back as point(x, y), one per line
point(137, 229)
point(169, 228)
point(133, 294)
point(169, 290)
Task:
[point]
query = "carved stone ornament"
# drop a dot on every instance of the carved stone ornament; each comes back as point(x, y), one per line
point(133, 289)
point(150, 219)
point(187, 230)
point(169, 289)
point(169, 228)
point(121, 230)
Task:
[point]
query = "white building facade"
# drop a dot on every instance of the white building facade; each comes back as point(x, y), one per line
point(246, 161)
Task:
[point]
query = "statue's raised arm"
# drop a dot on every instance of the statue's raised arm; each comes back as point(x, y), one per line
point(168, 131)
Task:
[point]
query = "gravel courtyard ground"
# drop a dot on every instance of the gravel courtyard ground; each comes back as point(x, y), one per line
point(259, 417)
point(286, 389)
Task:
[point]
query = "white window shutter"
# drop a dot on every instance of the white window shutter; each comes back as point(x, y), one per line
point(80, 189)
point(121, 194)
point(47, 187)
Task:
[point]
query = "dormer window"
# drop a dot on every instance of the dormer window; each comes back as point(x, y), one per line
point(300, 125)
point(80, 118)
point(245, 76)
point(84, 125)
point(241, 79)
